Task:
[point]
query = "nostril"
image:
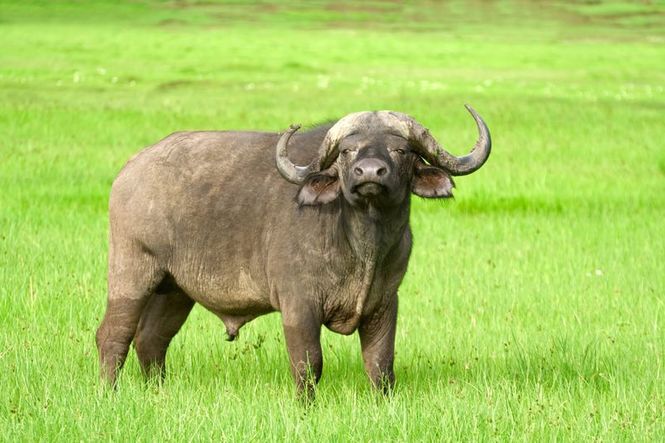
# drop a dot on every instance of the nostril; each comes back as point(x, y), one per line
point(358, 171)
point(381, 171)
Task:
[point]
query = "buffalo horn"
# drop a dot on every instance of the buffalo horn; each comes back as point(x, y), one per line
point(402, 125)
point(297, 174)
point(436, 155)
point(291, 172)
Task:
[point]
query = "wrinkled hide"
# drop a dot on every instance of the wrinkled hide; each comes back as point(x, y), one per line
point(206, 217)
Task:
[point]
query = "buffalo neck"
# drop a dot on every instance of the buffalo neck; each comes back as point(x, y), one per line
point(373, 231)
point(370, 233)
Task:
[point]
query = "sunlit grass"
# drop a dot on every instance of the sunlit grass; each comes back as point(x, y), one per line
point(532, 309)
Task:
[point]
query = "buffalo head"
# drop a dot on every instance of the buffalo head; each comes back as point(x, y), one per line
point(378, 157)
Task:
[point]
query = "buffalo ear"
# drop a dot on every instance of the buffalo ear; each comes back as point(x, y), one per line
point(431, 182)
point(319, 189)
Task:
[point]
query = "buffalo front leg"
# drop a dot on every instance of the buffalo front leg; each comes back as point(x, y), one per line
point(162, 317)
point(302, 332)
point(377, 340)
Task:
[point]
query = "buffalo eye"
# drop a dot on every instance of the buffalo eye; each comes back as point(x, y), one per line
point(400, 151)
point(345, 151)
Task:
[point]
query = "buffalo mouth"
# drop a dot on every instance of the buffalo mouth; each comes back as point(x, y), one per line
point(368, 189)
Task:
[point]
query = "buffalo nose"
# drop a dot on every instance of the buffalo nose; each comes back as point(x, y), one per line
point(370, 168)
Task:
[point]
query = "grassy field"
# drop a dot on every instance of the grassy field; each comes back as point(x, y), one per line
point(533, 306)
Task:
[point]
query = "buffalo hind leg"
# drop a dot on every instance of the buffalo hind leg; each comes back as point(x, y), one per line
point(132, 279)
point(162, 317)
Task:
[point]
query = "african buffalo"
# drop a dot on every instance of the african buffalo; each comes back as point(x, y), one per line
point(227, 220)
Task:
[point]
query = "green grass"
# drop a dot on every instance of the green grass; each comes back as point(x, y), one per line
point(533, 305)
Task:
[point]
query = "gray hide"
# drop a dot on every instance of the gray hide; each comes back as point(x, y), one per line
point(207, 217)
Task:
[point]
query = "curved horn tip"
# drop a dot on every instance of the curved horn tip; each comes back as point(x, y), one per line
point(482, 126)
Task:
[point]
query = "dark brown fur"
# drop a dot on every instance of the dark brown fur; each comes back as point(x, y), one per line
point(205, 217)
